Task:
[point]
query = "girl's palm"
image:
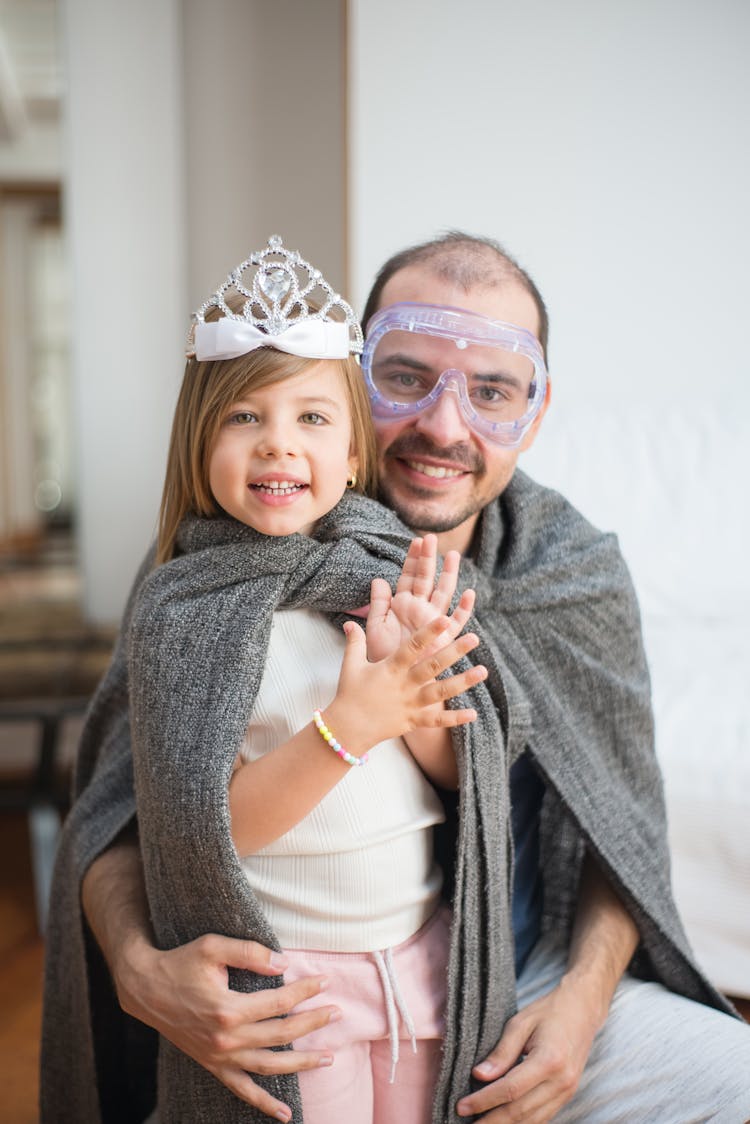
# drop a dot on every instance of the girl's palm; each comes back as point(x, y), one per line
point(418, 599)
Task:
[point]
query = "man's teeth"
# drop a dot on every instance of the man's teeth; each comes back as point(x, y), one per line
point(279, 487)
point(434, 469)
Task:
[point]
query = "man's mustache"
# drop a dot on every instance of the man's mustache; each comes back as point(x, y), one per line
point(412, 446)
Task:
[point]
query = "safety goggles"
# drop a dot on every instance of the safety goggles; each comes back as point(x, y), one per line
point(414, 353)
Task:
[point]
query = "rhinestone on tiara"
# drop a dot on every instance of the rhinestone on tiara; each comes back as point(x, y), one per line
point(272, 290)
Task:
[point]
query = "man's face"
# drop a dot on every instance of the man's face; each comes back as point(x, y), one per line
point(435, 472)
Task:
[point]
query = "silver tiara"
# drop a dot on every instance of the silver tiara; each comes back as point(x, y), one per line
point(274, 287)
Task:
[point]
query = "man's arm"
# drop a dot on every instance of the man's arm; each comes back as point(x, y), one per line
point(556, 1032)
point(184, 994)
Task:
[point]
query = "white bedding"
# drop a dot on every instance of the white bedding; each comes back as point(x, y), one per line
point(675, 490)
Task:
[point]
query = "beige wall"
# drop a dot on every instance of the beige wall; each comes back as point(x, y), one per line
point(194, 132)
point(264, 120)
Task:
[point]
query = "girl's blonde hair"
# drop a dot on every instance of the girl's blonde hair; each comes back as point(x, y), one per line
point(208, 391)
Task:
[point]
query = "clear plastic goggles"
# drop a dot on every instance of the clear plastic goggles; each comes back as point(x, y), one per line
point(416, 352)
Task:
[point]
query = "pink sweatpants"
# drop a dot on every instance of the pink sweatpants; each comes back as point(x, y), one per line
point(357, 1088)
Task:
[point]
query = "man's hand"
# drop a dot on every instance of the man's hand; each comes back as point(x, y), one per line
point(184, 994)
point(553, 1037)
point(537, 1065)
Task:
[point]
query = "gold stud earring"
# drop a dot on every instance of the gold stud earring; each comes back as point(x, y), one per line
point(352, 481)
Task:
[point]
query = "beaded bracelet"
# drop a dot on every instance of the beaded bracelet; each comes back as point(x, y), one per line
point(337, 747)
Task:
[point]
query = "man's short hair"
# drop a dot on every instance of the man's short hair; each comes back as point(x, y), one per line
point(466, 260)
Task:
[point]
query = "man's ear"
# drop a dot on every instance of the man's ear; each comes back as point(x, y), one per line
point(533, 429)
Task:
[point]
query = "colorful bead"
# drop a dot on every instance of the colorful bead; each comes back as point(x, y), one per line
point(335, 745)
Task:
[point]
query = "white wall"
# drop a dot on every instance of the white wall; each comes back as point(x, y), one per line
point(605, 144)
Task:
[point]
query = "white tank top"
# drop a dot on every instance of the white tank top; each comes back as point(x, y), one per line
point(358, 872)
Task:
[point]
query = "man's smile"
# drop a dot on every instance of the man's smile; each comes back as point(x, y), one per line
point(439, 471)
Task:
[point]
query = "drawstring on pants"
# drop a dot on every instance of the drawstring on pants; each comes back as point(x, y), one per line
point(395, 1005)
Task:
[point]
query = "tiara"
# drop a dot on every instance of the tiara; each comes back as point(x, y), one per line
point(273, 287)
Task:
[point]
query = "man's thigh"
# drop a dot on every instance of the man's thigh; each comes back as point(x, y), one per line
point(659, 1059)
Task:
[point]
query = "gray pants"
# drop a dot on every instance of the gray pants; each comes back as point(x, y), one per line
point(659, 1058)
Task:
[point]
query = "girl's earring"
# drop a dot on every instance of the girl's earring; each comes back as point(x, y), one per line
point(352, 481)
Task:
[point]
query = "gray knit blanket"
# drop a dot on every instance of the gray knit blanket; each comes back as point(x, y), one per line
point(560, 634)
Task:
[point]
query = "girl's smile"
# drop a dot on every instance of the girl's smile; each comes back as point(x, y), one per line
point(278, 490)
point(283, 454)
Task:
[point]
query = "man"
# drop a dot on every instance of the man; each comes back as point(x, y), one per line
point(572, 1050)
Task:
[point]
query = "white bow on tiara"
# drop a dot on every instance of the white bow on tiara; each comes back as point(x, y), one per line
point(315, 339)
point(275, 312)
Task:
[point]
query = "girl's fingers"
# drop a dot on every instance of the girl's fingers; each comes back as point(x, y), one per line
point(443, 689)
point(446, 585)
point(418, 572)
point(448, 718)
point(408, 573)
point(462, 611)
point(424, 577)
point(441, 658)
point(412, 650)
point(356, 645)
point(380, 600)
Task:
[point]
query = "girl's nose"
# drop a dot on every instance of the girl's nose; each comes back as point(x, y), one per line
point(278, 440)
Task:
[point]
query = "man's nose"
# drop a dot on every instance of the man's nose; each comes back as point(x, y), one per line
point(444, 422)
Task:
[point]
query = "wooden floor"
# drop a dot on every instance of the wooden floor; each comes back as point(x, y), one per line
point(21, 956)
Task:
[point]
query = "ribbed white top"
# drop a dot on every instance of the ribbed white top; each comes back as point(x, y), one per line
point(358, 872)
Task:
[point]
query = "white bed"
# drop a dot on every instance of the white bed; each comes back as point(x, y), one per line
point(675, 489)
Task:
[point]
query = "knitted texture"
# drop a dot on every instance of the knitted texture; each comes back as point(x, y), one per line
point(560, 634)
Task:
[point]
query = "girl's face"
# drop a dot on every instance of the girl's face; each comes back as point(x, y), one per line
point(283, 454)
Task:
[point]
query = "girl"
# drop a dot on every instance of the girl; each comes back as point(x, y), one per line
point(276, 798)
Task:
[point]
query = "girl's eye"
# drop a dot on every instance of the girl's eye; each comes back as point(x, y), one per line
point(242, 417)
point(312, 418)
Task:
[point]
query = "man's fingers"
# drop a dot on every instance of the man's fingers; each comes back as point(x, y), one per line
point(243, 1086)
point(283, 1032)
point(271, 1062)
point(230, 952)
point(273, 1002)
point(507, 1052)
point(538, 1106)
point(519, 1087)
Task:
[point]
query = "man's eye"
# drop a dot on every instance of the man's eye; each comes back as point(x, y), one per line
point(312, 418)
point(489, 394)
point(401, 382)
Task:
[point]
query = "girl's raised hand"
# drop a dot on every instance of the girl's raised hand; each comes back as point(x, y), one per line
point(418, 599)
point(401, 693)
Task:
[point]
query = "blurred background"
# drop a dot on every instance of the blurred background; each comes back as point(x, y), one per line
point(146, 148)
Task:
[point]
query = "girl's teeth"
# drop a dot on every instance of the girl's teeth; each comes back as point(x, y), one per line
point(279, 487)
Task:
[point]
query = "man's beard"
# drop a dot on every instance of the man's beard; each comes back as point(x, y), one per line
point(412, 446)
